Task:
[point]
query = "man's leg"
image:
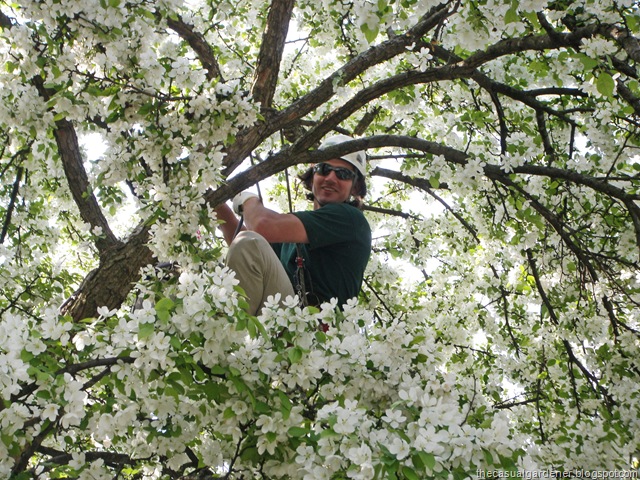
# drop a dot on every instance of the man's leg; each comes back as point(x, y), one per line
point(258, 269)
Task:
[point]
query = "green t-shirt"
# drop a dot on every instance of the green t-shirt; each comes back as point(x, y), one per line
point(337, 253)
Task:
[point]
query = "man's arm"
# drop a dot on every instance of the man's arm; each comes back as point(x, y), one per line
point(273, 226)
point(230, 222)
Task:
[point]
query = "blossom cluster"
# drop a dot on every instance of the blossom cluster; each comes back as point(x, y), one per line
point(498, 325)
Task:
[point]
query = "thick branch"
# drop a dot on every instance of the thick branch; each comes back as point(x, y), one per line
point(634, 211)
point(199, 45)
point(22, 461)
point(11, 206)
point(544, 134)
point(629, 43)
point(69, 151)
point(110, 458)
point(387, 211)
point(551, 218)
point(456, 68)
point(574, 177)
point(73, 369)
point(90, 211)
point(248, 139)
point(5, 22)
point(529, 98)
point(532, 42)
point(72, 162)
point(109, 284)
point(365, 121)
point(495, 172)
point(626, 93)
point(275, 34)
point(460, 158)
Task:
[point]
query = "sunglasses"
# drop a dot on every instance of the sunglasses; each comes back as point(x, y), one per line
point(342, 173)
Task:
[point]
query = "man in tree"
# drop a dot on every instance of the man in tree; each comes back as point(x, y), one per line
point(321, 254)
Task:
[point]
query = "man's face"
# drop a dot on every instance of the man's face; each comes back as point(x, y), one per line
point(329, 188)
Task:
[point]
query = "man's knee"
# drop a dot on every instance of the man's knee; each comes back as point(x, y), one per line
point(246, 245)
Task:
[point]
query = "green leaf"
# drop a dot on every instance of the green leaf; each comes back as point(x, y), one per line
point(488, 457)
point(259, 328)
point(295, 354)
point(146, 108)
point(427, 459)
point(369, 33)
point(508, 464)
point(145, 13)
point(588, 62)
point(163, 316)
point(164, 304)
point(511, 16)
point(605, 84)
point(409, 473)
point(297, 432)
point(241, 323)
point(285, 405)
point(262, 407)
point(26, 356)
point(250, 454)
point(176, 343)
point(218, 370)
point(145, 330)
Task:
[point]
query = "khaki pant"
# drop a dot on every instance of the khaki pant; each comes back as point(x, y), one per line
point(258, 269)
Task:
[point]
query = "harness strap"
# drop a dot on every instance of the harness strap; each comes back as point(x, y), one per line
point(300, 286)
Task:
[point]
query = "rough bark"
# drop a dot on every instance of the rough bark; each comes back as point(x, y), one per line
point(110, 283)
point(273, 39)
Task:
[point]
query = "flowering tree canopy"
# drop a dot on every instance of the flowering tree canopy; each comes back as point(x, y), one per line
point(499, 324)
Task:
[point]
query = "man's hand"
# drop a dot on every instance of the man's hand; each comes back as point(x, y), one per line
point(239, 200)
point(273, 226)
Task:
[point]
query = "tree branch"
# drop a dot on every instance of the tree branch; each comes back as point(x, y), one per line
point(109, 284)
point(248, 139)
point(5, 22)
point(544, 134)
point(199, 45)
point(626, 93)
point(90, 211)
point(457, 68)
point(423, 184)
point(526, 97)
point(270, 56)
point(110, 458)
point(12, 203)
point(69, 151)
point(73, 369)
point(628, 42)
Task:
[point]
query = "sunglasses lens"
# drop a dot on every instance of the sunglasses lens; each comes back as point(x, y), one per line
point(323, 169)
point(342, 173)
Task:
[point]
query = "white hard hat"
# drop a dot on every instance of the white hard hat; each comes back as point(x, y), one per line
point(357, 159)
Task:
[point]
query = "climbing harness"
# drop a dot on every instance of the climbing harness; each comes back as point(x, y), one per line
point(299, 277)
